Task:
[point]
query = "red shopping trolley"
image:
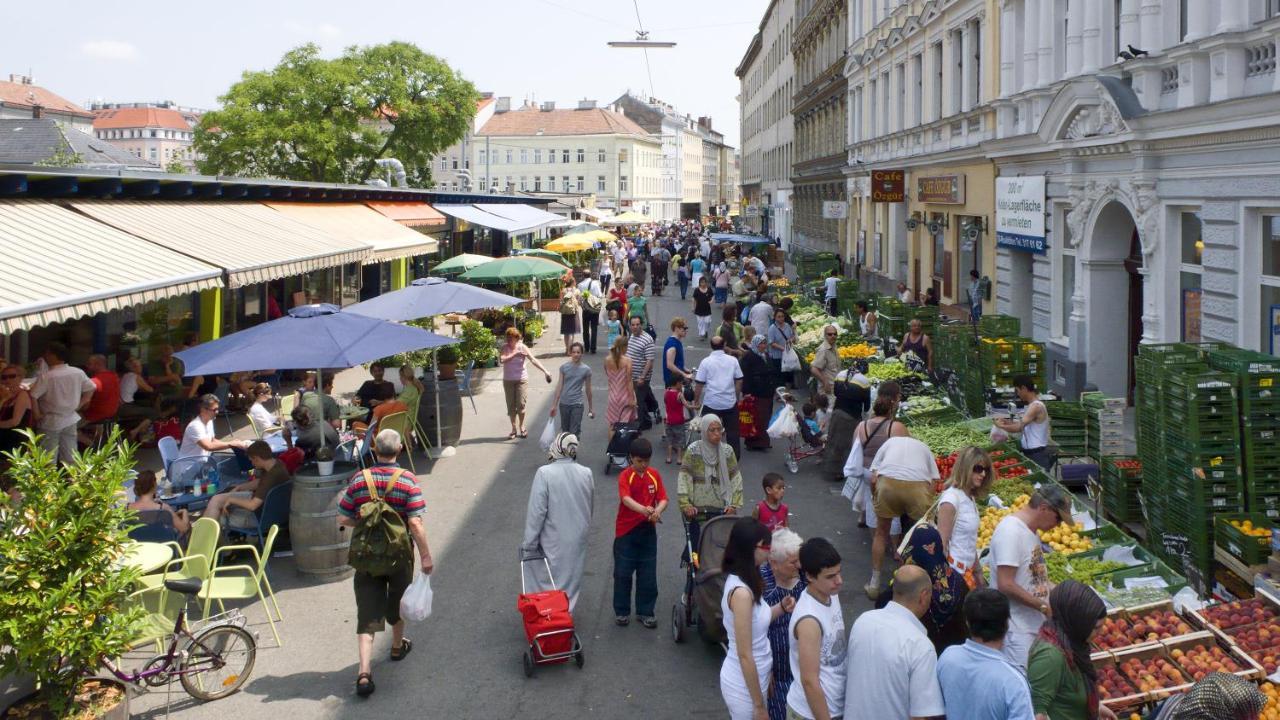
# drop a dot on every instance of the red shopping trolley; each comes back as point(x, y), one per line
point(548, 625)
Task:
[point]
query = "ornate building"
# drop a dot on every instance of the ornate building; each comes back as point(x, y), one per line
point(819, 44)
point(766, 74)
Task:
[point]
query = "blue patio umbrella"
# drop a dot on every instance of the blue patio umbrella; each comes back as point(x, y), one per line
point(309, 337)
point(425, 297)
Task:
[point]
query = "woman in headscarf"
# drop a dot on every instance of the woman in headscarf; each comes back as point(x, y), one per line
point(1061, 675)
point(709, 481)
point(559, 518)
point(757, 381)
point(944, 621)
point(1219, 696)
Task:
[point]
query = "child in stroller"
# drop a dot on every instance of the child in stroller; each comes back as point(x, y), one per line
point(805, 441)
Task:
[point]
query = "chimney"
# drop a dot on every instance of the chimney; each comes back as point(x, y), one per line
point(585, 104)
point(548, 106)
point(37, 112)
point(504, 105)
point(705, 122)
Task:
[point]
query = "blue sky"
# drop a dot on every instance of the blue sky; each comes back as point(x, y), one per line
point(538, 49)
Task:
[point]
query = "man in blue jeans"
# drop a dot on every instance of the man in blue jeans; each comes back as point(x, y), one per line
point(635, 542)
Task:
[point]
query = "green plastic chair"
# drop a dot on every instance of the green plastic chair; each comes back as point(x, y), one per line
point(286, 405)
point(198, 562)
point(417, 426)
point(399, 422)
point(261, 432)
point(221, 586)
point(159, 620)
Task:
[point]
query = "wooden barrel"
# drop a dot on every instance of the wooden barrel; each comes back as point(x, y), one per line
point(449, 420)
point(320, 544)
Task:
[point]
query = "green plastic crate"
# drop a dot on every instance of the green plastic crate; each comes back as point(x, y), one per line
point(1248, 549)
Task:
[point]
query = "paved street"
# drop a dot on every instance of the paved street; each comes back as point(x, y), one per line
point(466, 660)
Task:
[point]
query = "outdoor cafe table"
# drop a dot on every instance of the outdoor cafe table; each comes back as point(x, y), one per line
point(351, 412)
point(146, 556)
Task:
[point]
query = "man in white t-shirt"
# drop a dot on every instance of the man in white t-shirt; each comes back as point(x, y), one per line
point(761, 316)
point(200, 439)
point(830, 295)
point(1019, 569)
point(816, 632)
point(62, 392)
point(902, 476)
point(891, 671)
point(719, 389)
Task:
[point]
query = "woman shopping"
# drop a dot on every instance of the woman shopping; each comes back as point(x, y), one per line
point(622, 392)
point(1059, 669)
point(757, 382)
point(944, 622)
point(782, 580)
point(958, 518)
point(702, 307)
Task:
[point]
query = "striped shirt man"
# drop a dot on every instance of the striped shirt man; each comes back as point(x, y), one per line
point(405, 497)
point(640, 350)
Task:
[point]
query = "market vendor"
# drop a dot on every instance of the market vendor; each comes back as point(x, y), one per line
point(916, 343)
point(1034, 424)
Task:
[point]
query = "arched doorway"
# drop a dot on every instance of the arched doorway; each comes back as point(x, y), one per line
point(1113, 282)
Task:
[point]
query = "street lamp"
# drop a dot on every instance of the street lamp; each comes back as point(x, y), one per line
point(642, 41)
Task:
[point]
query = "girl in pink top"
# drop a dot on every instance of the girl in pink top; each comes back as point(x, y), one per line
point(515, 379)
point(771, 512)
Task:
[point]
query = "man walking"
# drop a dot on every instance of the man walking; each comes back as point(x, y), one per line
point(378, 596)
point(978, 682)
point(592, 302)
point(640, 350)
point(62, 392)
point(719, 389)
point(558, 519)
point(817, 637)
point(891, 672)
point(902, 477)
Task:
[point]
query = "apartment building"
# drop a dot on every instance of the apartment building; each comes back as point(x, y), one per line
point(20, 98)
point(682, 175)
point(451, 169)
point(160, 133)
point(765, 74)
point(819, 109)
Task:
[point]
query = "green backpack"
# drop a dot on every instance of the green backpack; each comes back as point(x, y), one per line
point(380, 542)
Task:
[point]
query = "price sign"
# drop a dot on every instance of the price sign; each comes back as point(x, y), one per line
point(1264, 382)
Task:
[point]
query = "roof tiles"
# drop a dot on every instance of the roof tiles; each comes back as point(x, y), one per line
point(531, 122)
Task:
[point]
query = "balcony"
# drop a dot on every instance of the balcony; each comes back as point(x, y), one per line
point(955, 132)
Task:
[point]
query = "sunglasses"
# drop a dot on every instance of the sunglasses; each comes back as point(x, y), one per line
point(981, 469)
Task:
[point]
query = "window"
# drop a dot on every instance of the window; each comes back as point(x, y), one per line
point(567, 186)
point(524, 156)
point(551, 183)
point(537, 157)
point(1189, 292)
point(537, 183)
point(453, 161)
point(1270, 277)
point(153, 133)
point(622, 184)
point(917, 91)
point(152, 153)
point(581, 183)
point(974, 71)
point(957, 84)
point(1182, 20)
point(900, 76)
point(582, 155)
point(939, 246)
point(936, 104)
point(871, 114)
point(523, 184)
point(601, 156)
point(444, 163)
point(551, 157)
point(484, 157)
point(564, 157)
point(509, 185)
point(509, 159)
point(600, 183)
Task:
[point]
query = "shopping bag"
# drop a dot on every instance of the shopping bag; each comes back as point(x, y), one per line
point(747, 429)
point(784, 424)
point(548, 434)
point(415, 604)
point(790, 360)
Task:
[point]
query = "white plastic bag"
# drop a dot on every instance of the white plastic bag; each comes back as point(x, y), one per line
point(790, 360)
point(784, 426)
point(548, 434)
point(997, 435)
point(415, 604)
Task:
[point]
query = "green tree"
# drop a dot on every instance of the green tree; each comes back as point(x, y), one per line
point(328, 120)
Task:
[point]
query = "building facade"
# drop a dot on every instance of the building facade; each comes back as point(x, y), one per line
point(681, 153)
point(158, 133)
point(766, 79)
point(819, 109)
point(583, 150)
point(20, 98)
point(716, 156)
point(1161, 176)
point(919, 110)
point(451, 169)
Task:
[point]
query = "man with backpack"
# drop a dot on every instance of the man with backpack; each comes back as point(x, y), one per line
point(384, 504)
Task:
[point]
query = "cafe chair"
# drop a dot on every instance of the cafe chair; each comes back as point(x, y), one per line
point(464, 385)
point(227, 583)
point(261, 432)
point(399, 421)
point(198, 562)
point(273, 511)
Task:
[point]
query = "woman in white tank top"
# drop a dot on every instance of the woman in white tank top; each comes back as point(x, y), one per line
point(747, 667)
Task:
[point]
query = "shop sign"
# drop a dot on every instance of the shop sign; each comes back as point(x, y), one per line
point(752, 211)
point(1020, 214)
point(835, 210)
point(888, 186)
point(941, 189)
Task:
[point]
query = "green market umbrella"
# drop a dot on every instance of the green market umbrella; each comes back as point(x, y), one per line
point(551, 255)
point(460, 264)
point(513, 269)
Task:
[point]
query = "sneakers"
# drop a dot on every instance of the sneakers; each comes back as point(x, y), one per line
point(648, 622)
point(622, 621)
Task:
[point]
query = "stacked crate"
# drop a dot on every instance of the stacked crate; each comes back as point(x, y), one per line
point(958, 352)
point(891, 319)
point(1105, 424)
point(847, 297)
point(1068, 428)
point(1258, 389)
point(1121, 480)
point(999, 326)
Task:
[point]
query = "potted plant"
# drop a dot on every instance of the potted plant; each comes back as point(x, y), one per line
point(447, 362)
point(65, 592)
point(324, 460)
point(478, 345)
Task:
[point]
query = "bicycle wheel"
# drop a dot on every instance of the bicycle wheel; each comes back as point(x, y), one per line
point(219, 660)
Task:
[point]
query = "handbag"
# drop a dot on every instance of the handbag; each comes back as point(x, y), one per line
point(929, 519)
point(592, 303)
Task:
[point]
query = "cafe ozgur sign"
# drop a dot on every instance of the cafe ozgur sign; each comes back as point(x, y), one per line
point(941, 189)
point(888, 186)
point(1020, 214)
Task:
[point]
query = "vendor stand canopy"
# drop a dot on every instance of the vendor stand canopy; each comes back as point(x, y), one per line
point(410, 214)
point(509, 218)
point(630, 217)
point(571, 243)
point(355, 222)
point(60, 265)
point(459, 264)
point(551, 255)
point(741, 239)
point(425, 297)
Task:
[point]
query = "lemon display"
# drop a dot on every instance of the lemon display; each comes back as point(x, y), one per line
point(1066, 539)
point(1248, 528)
point(992, 516)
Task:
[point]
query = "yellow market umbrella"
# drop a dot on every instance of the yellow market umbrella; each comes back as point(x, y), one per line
point(571, 243)
point(627, 218)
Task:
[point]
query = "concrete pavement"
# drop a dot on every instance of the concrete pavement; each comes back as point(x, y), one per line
point(466, 662)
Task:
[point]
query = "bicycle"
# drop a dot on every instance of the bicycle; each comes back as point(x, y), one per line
point(211, 663)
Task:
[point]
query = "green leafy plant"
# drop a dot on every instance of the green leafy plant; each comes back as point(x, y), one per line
point(63, 595)
point(324, 453)
point(478, 344)
point(534, 327)
point(447, 355)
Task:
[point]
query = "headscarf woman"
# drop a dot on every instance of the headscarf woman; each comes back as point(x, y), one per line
point(709, 476)
point(558, 518)
point(757, 381)
point(1218, 696)
point(944, 621)
point(1061, 675)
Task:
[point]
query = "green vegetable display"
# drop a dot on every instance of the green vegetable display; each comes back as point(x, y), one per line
point(948, 438)
point(889, 370)
point(1091, 571)
point(1132, 597)
point(925, 404)
point(1008, 489)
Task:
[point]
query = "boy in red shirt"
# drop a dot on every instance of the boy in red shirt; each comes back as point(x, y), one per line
point(635, 542)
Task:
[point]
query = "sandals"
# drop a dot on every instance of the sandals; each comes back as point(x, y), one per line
point(405, 646)
point(364, 684)
point(512, 435)
point(524, 433)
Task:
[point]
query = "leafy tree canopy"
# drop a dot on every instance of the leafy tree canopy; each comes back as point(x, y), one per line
point(323, 120)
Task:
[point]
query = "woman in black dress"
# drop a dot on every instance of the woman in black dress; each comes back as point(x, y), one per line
point(758, 382)
point(702, 306)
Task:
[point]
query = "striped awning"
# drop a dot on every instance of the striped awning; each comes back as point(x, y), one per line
point(357, 223)
point(250, 241)
point(60, 265)
point(410, 214)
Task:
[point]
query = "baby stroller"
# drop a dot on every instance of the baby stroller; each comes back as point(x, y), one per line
point(699, 605)
point(617, 454)
point(804, 442)
point(548, 625)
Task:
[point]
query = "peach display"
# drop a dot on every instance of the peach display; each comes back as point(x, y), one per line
point(1240, 612)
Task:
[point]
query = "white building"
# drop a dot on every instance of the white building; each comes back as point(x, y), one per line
point(681, 153)
point(766, 75)
point(19, 99)
point(1162, 175)
point(451, 169)
point(160, 133)
point(584, 150)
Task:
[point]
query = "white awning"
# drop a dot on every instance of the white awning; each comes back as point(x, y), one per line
point(358, 223)
point(529, 216)
point(60, 265)
point(512, 218)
